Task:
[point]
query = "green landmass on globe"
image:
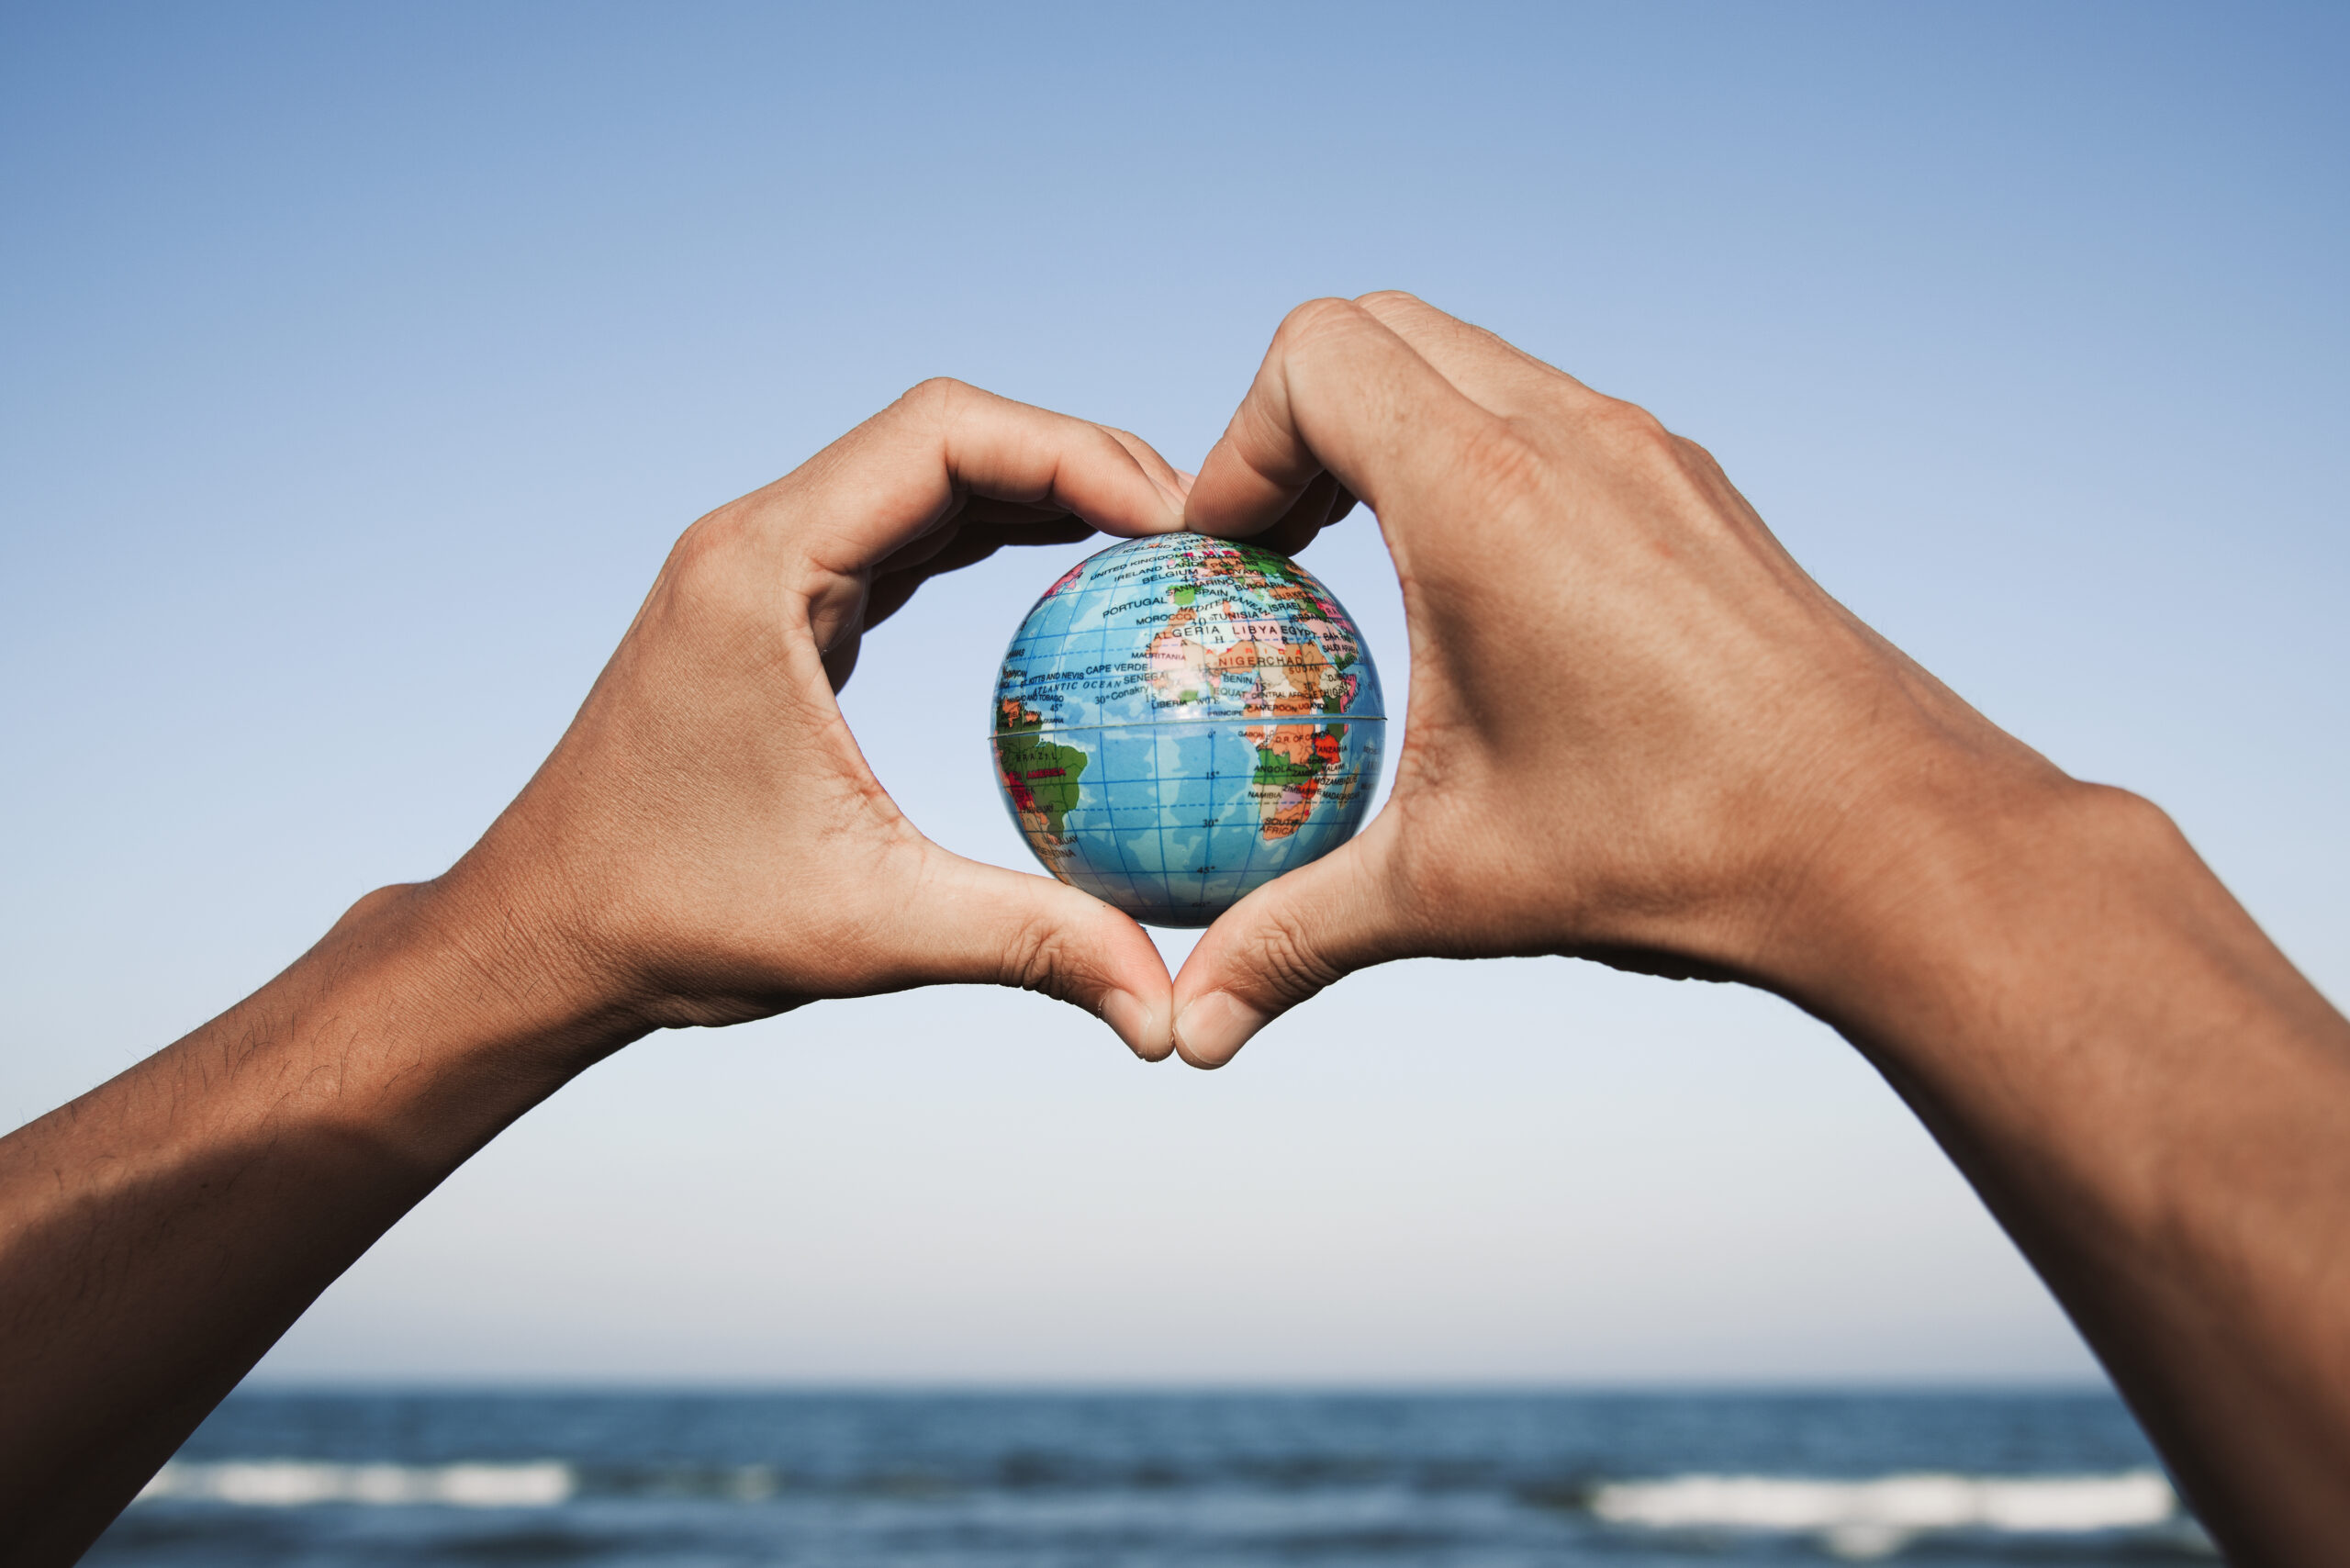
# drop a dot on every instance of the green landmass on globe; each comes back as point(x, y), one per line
point(1181, 719)
point(1042, 776)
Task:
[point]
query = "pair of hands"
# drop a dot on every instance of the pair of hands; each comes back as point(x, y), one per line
point(1638, 732)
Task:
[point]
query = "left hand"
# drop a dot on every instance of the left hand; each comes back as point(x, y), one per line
point(706, 844)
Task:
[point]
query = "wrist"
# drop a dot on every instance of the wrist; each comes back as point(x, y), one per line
point(1968, 882)
point(442, 1014)
point(485, 961)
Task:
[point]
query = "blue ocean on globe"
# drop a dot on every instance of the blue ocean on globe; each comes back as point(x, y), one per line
point(1180, 720)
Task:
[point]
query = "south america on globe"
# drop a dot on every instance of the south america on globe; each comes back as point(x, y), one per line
point(1180, 720)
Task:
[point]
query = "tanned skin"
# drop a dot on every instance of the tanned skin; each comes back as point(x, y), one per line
point(1638, 734)
point(705, 846)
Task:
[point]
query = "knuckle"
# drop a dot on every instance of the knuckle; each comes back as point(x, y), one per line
point(706, 547)
point(1317, 321)
point(1693, 453)
point(1287, 961)
point(1039, 958)
point(1119, 442)
point(1385, 301)
point(1501, 465)
point(1629, 427)
point(715, 566)
point(935, 398)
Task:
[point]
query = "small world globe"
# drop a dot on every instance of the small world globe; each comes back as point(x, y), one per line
point(1180, 720)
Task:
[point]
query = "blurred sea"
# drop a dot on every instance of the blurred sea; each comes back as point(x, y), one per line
point(632, 1480)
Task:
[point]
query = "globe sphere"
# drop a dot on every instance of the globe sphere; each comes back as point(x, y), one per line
point(1181, 719)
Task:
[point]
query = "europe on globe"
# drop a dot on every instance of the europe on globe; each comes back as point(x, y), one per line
point(1180, 720)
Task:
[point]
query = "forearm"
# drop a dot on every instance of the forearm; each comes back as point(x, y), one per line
point(705, 846)
point(2155, 1104)
point(1639, 733)
point(158, 1235)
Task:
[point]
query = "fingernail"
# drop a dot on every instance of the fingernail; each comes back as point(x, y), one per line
point(1140, 1024)
point(1209, 1029)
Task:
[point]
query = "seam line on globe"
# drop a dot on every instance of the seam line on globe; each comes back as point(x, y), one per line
point(1220, 719)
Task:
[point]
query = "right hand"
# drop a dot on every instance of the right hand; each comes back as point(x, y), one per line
point(1638, 732)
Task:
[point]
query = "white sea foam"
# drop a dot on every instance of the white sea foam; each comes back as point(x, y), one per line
point(1875, 1519)
point(293, 1483)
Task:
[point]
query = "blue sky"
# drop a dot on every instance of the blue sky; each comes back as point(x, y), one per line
point(357, 365)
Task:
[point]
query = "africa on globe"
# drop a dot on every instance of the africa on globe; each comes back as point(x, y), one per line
point(1180, 720)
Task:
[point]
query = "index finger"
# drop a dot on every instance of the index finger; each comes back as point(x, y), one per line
point(1494, 372)
point(1341, 392)
point(903, 471)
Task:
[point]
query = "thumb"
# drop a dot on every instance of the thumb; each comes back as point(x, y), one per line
point(976, 924)
point(1281, 944)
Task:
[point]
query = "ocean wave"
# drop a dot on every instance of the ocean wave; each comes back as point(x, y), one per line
point(1852, 1518)
point(1876, 1518)
point(294, 1483)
